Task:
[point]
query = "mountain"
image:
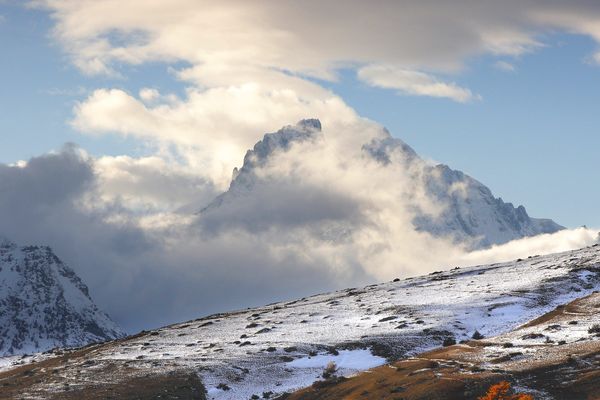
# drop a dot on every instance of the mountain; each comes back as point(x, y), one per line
point(537, 317)
point(471, 213)
point(244, 179)
point(44, 304)
point(475, 213)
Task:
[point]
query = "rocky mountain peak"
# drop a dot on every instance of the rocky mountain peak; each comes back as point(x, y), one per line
point(44, 304)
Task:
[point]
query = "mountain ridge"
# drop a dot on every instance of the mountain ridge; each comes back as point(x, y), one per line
point(44, 304)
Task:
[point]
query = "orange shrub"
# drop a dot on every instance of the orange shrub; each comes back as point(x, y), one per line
point(501, 391)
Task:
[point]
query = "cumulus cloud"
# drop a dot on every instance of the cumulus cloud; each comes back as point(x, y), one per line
point(314, 38)
point(413, 82)
point(210, 129)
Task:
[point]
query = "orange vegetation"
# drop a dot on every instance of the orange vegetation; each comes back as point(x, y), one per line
point(500, 391)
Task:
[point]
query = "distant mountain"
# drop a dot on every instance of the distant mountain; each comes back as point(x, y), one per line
point(471, 212)
point(44, 304)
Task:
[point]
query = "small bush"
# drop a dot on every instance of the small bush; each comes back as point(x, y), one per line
point(501, 391)
point(594, 329)
point(449, 341)
point(330, 370)
point(477, 336)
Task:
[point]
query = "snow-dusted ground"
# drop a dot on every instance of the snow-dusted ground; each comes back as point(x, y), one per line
point(285, 346)
point(250, 351)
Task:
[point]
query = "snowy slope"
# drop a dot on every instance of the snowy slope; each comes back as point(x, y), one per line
point(43, 304)
point(471, 211)
point(284, 346)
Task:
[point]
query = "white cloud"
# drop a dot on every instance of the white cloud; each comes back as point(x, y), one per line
point(149, 94)
point(413, 83)
point(565, 240)
point(211, 129)
point(306, 39)
point(504, 66)
point(150, 184)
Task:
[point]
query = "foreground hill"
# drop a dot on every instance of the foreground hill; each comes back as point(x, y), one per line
point(44, 304)
point(556, 356)
point(282, 347)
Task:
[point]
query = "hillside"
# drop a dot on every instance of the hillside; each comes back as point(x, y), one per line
point(556, 356)
point(285, 346)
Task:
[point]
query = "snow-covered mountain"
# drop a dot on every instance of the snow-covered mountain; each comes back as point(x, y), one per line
point(44, 304)
point(470, 211)
point(474, 212)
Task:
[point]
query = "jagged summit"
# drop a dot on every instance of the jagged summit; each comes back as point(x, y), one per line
point(281, 140)
point(44, 304)
point(243, 179)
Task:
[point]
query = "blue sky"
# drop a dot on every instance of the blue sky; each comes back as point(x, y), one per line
point(533, 137)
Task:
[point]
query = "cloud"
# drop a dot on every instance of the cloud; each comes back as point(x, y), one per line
point(302, 39)
point(413, 83)
point(250, 67)
point(565, 240)
point(210, 129)
point(325, 217)
point(150, 184)
point(127, 225)
point(144, 276)
point(504, 66)
point(313, 39)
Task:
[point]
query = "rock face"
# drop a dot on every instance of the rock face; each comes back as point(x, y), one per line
point(471, 213)
point(44, 304)
point(474, 212)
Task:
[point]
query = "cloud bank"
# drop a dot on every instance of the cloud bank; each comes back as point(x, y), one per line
point(128, 225)
point(318, 222)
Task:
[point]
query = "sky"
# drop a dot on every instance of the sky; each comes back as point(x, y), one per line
point(158, 101)
point(531, 137)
